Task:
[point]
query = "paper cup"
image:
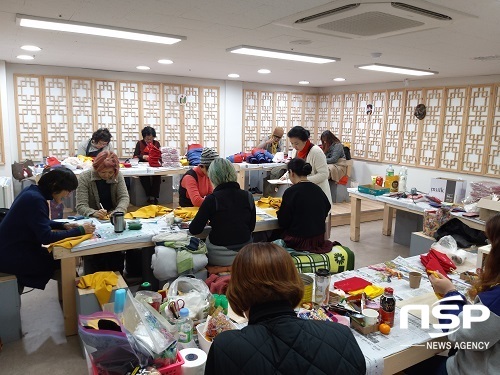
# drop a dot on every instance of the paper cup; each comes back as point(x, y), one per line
point(370, 317)
point(415, 278)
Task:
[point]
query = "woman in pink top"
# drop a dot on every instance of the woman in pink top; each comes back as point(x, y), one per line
point(195, 184)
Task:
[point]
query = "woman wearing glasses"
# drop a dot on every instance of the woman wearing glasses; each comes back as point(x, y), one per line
point(99, 142)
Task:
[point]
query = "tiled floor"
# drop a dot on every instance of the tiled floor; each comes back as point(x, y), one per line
point(45, 350)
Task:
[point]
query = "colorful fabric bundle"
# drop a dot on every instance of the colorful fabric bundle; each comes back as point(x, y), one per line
point(259, 156)
point(170, 157)
point(436, 261)
point(194, 155)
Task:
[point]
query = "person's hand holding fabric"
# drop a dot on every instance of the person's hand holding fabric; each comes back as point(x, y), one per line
point(441, 284)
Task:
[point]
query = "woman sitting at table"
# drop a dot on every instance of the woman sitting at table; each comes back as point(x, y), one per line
point(151, 184)
point(304, 149)
point(265, 287)
point(231, 213)
point(101, 192)
point(273, 143)
point(27, 227)
point(303, 211)
point(99, 142)
point(486, 359)
point(195, 184)
point(332, 147)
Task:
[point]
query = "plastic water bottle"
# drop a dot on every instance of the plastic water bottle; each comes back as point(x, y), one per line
point(119, 304)
point(403, 177)
point(389, 171)
point(185, 327)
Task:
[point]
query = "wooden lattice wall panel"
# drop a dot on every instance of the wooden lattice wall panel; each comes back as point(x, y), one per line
point(348, 117)
point(250, 119)
point(150, 109)
point(493, 162)
point(129, 117)
point(410, 129)
point(296, 110)
point(81, 110)
point(476, 129)
point(192, 117)
point(107, 111)
point(429, 144)
point(173, 131)
point(336, 113)
point(361, 119)
point(210, 123)
point(281, 111)
point(266, 116)
point(59, 138)
point(375, 126)
point(392, 132)
point(323, 122)
point(456, 101)
point(309, 119)
point(31, 133)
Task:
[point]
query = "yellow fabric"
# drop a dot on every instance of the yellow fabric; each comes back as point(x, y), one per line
point(84, 159)
point(184, 162)
point(148, 212)
point(70, 242)
point(101, 282)
point(186, 213)
point(371, 291)
point(269, 202)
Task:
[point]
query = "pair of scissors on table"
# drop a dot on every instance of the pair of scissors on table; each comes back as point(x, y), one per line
point(175, 307)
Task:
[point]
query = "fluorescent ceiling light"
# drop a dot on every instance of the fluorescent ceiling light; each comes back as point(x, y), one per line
point(263, 71)
point(166, 62)
point(303, 82)
point(283, 55)
point(99, 30)
point(31, 48)
point(142, 67)
point(233, 75)
point(396, 69)
point(26, 57)
point(339, 79)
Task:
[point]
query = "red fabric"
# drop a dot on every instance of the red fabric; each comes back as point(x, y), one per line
point(305, 151)
point(238, 158)
point(343, 180)
point(443, 259)
point(437, 261)
point(52, 161)
point(218, 284)
point(194, 145)
point(154, 155)
point(431, 264)
point(352, 283)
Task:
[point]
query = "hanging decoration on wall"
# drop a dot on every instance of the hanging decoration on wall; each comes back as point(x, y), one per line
point(369, 109)
point(420, 111)
point(182, 99)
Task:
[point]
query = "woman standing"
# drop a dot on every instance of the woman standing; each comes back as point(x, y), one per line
point(102, 191)
point(312, 154)
point(27, 227)
point(100, 141)
point(332, 147)
point(151, 184)
point(303, 211)
point(265, 287)
point(231, 213)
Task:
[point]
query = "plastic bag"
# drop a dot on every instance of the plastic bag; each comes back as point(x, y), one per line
point(195, 294)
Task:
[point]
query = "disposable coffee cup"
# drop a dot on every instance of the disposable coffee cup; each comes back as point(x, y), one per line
point(370, 317)
point(415, 278)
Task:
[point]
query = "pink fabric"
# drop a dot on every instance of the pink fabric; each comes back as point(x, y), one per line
point(218, 284)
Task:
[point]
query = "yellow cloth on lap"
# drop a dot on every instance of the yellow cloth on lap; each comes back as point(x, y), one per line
point(101, 282)
point(70, 242)
point(148, 212)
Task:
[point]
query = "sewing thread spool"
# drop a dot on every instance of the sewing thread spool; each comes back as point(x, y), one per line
point(308, 288)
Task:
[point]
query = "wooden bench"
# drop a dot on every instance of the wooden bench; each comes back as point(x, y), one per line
point(10, 313)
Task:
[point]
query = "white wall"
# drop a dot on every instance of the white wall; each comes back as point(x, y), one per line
point(232, 132)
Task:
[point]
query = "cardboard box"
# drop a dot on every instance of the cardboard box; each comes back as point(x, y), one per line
point(448, 190)
point(364, 330)
point(482, 254)
point(488, 208)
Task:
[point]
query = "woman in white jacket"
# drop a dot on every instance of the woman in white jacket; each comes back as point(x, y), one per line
point(312, 154)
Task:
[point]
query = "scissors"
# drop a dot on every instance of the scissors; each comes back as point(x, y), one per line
point(176, 306)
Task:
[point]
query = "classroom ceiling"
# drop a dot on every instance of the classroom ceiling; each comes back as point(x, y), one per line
point(466, 45)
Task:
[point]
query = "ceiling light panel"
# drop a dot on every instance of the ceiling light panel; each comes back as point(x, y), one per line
point(283, 55)
point(396, 69)
point(98, 30)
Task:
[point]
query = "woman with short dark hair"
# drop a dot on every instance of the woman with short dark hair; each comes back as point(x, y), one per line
point(27, 227)
point(265, 287)
point(151, 184)
point(100, 141)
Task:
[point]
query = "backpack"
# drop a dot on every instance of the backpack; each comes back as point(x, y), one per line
point(347, 153)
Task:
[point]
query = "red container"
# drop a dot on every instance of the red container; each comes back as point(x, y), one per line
point(173, 369)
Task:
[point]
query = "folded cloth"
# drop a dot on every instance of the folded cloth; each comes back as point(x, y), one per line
point(164, 263)
point(218, 269)
point(266, 202)
point(437, 261)
point(432, 265)
point(218, 284)
point(371, 291)
point(186, 213)
point(70, 242)
point(352, 283)
point(101, 282)
point(148, 212)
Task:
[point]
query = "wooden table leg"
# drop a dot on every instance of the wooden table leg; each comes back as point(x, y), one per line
point(355, 218)
point(240, 177)
point(68, 266)
point(388, 215)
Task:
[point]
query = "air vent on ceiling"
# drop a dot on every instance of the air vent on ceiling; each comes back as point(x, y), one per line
point(372, 19)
